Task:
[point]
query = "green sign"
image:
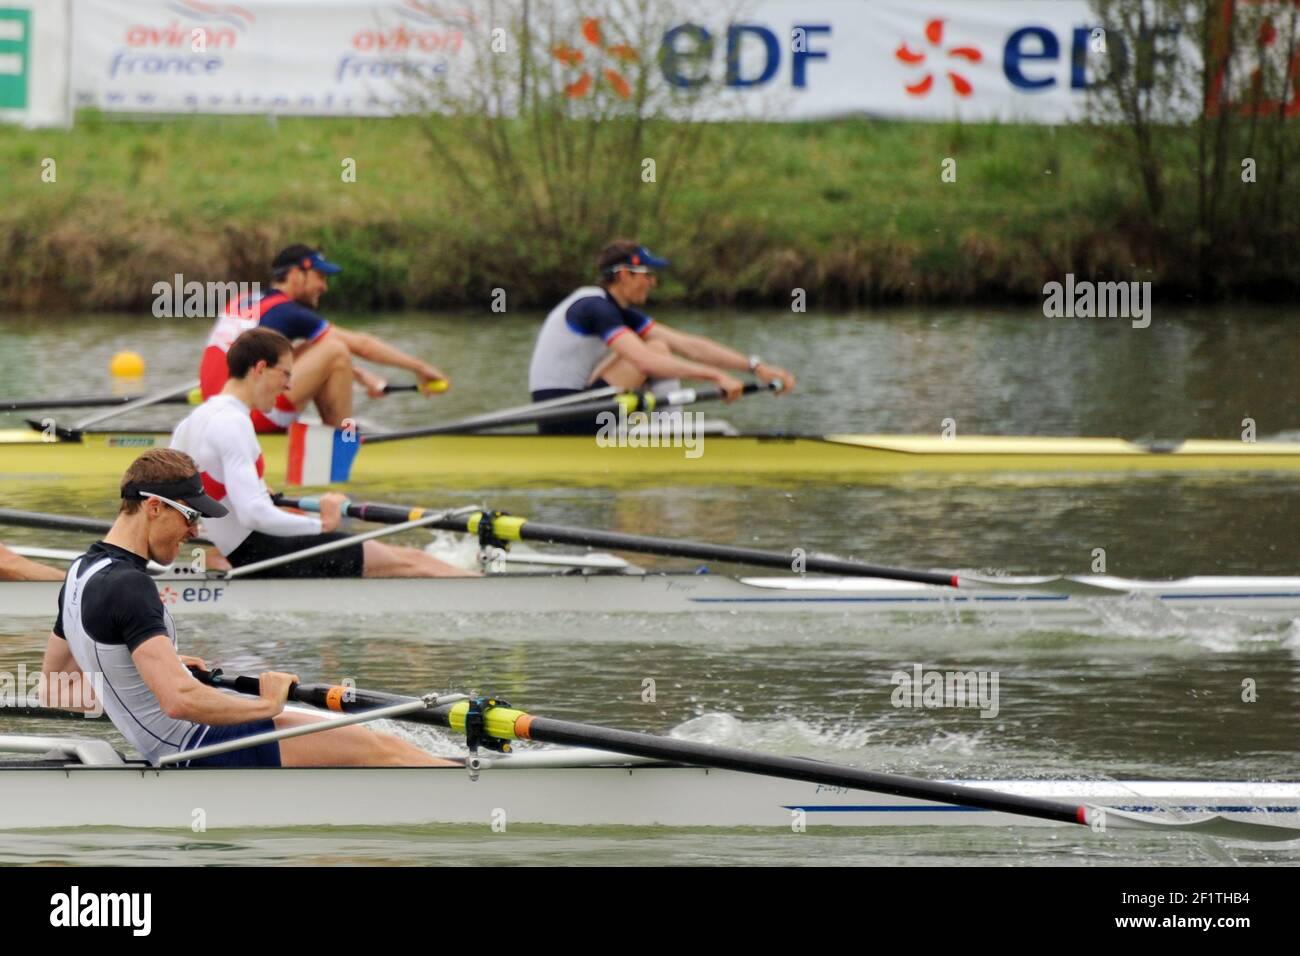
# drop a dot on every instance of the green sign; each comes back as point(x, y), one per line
point(15, 57)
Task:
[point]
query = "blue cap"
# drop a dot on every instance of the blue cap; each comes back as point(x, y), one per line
point(640, 256)
point(303, 257)
point(321, 264)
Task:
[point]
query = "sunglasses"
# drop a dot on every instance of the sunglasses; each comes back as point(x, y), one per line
point(189, 514)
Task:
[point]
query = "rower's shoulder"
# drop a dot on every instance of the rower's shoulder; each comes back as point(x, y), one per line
point(121, 578)
point(231, 415)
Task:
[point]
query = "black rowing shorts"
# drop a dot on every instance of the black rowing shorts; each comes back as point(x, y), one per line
point(346, 562)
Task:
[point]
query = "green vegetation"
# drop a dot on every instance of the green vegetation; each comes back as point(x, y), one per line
point(851, 211)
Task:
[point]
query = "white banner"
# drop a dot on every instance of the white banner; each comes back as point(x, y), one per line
point(306, 57)
point(1005, 60)
point(34, 62)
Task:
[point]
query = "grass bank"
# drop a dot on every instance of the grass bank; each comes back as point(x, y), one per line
point(851, 211)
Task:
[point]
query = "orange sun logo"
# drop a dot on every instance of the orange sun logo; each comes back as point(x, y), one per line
point(575, 57)
point(934, 33)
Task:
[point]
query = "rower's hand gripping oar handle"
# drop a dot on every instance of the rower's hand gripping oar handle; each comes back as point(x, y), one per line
point(432, 387)
point(215, 678)
point(327, 696)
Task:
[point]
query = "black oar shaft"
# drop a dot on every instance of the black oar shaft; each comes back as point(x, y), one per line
point(579, 410)
point(667, 547)
point(49, 522)
point(37, 519)
point(569, 733)
point(548, 730)
point(103, 401)
point(591, 537)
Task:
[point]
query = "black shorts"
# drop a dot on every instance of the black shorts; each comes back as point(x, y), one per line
point(573, 426)
point(262, 755)
point(346, 562)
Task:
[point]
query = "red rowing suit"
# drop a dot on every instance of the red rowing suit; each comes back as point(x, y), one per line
point(277, 311)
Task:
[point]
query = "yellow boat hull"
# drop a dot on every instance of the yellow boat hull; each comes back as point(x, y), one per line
point(470, 460)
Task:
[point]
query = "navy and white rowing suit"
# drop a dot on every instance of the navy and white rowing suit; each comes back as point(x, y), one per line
point(575, 338)
point(108, 607)
point(573, 341)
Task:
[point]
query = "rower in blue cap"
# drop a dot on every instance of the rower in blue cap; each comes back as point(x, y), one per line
point(585, 342)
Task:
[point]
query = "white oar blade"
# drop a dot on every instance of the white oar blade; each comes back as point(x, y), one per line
point(1051, 584)
point(1209, 824)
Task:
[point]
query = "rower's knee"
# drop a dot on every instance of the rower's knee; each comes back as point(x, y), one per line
point(331, 351)
point(340, 358)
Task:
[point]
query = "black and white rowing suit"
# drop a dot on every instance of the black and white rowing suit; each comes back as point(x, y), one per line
point(573, 341)
point(575, 338)
point(108, 607)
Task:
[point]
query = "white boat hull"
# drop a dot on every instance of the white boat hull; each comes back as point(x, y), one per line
point(1273, 597)
point(633, 795)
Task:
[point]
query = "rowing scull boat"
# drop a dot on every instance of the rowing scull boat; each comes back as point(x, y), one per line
point(476, 460)
point(80, 783)
point(655, 593)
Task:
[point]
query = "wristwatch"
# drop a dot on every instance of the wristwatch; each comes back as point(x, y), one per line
point(754, 363)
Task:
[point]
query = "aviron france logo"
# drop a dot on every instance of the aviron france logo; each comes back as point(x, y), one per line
point(15, 50)
point(917, 58)
point(183, 47)
point(575, 57)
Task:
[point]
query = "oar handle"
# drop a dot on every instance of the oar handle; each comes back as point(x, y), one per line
point(432, 387)
point(338, 697)
point(362, 511)
point(244, 685)
point(712, 393)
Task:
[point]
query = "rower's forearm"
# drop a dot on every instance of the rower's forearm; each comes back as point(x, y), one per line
point(14, 567)
point(655, 364)
point(203, 705)
point(711, 353)
point(380, 352)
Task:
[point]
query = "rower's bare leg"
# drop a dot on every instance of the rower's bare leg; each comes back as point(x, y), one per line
point(391, 561)
point(623, 374)
point(322, 372)
point(354, 746)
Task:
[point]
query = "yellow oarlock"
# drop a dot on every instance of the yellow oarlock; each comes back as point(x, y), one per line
point(632, 401)
point(505, 527)
point(503, 723)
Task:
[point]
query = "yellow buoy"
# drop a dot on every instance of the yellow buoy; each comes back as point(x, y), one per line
point(126, 365)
